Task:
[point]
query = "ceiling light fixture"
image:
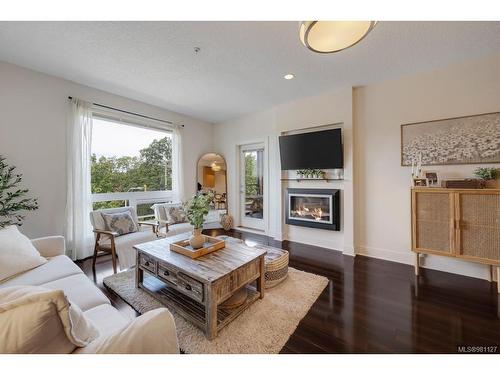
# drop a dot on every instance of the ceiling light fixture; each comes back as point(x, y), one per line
point(215, 167)
point(333, 36)
point(289, 76)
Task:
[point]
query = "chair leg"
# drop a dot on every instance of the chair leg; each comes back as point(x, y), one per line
point(96, 249)
point(113, 257)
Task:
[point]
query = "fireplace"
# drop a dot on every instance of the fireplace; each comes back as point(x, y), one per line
point(313, 208)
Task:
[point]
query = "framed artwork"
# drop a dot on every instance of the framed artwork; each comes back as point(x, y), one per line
point(459, 140)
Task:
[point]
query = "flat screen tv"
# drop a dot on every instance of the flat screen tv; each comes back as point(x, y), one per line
point(315, 150)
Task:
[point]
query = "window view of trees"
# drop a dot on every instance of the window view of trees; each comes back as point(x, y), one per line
point(253, 184)
point(150, 171)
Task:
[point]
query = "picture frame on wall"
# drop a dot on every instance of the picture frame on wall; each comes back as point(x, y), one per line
point(471, 139)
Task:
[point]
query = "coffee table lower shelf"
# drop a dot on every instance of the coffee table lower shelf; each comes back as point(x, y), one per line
point(189, 308)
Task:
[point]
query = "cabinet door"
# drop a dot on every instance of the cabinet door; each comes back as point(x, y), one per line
point(478, 232)
point(433, 222)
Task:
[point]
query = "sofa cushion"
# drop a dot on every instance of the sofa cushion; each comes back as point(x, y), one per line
point(34, 319)
point(17, 253)
point(56, 268)
point(151, 333)
point(80, 290)
point(106, 319)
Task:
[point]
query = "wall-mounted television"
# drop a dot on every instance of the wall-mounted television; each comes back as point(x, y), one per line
point(315, 150)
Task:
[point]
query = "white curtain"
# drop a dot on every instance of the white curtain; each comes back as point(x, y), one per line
point(78, 230)
point(177, 175)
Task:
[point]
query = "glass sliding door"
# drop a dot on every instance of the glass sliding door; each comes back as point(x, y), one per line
point(252, 186)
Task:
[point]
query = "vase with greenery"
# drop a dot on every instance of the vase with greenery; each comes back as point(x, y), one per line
point(489, 176)
point(196, 209)
point(13, 200)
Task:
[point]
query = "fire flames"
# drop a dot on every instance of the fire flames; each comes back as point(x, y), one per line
point(316, 213)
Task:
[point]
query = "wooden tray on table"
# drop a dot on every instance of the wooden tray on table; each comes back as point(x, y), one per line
point(211, 244)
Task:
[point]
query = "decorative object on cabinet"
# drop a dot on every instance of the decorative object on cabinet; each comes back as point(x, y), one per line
point(489, 176)
point(419, 182)
point(467, 183)
point(457, 223)
point(460, 140)
point(432, 178)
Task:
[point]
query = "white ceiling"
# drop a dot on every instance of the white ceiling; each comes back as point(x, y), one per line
point(240, 67)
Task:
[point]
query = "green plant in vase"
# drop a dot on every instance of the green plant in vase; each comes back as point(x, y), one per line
point(488, 175)
point(196, 210)
point(12, 198)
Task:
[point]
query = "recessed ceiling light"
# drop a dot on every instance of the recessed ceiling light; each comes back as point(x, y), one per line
point(289, 76)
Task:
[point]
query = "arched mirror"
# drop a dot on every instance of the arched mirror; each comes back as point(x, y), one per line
point(212, 178)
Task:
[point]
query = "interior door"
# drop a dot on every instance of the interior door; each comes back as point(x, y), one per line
point(252, 180)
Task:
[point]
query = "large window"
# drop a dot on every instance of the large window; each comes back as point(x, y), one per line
point(131, 165)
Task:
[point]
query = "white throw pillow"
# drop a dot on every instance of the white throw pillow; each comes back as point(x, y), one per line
point(39, 320)
point(17, 253)
point(151, 333)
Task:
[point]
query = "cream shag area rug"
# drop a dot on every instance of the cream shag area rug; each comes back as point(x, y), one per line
point(263, 328)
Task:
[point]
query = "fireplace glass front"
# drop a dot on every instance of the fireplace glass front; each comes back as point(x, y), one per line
point(308, 207)
point(313, 208)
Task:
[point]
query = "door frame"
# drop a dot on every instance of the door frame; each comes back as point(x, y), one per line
point(239, 148)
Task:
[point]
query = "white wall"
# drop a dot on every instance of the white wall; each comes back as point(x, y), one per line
point(34, 110)
point(378, 211)
point(329, 108)
point(383, 186)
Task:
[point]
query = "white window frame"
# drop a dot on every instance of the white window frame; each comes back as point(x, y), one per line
point(136, 197)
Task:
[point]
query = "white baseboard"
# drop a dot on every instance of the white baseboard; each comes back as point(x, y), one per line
point(385, 254)
point(437, 263)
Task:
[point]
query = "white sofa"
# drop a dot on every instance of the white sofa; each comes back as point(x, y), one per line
point(61, 273)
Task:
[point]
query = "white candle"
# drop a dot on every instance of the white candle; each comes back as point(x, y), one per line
point(412, 167)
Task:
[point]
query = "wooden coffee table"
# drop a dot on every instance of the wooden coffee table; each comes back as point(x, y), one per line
point(194, 288)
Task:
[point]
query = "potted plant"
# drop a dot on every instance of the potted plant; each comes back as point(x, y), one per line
point(12, 198)
point(489, 176)
point(196, 209)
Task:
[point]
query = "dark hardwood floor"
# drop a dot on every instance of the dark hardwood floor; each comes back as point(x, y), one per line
point(375, 306)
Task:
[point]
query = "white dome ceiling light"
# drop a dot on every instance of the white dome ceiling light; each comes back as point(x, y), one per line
point(333, 36)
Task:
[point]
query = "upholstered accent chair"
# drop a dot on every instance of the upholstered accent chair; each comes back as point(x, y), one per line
point(109, 241)
point(163, 221)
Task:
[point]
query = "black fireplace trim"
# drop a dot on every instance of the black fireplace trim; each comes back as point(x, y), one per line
point(335, 193)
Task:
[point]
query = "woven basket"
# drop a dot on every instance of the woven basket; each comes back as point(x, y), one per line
point(276, 266)
point(276, 269)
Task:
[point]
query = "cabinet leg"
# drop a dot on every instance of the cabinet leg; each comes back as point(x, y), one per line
point(498, 280)
point(417, 264)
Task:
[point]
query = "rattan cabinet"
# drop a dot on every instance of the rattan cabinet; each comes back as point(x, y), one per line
point(460, 223)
